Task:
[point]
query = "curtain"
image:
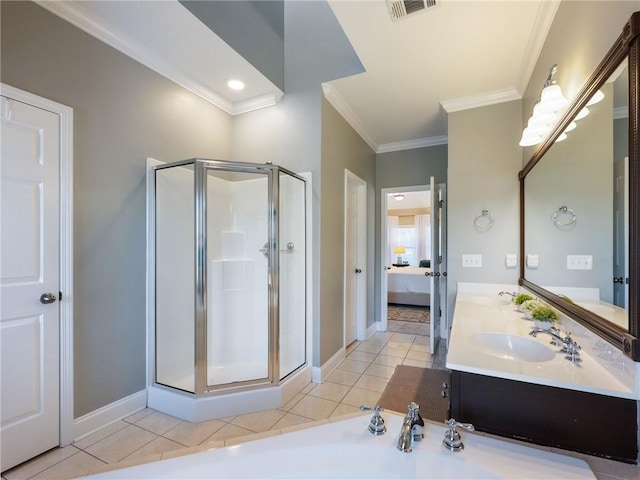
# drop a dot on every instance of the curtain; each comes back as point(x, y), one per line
point(423, 237)
point(392, 239)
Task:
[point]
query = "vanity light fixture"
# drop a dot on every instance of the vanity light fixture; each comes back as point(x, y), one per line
point(234, 84)
point(546, 112)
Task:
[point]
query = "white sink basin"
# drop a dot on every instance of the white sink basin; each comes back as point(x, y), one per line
point(512, 347)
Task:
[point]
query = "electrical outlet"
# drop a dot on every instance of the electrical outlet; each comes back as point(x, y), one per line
point(532, 260)
point(511, 260)
point(473, 261)
point(579, 262)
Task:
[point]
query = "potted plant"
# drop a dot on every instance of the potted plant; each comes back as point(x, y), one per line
point(529, 305)
point(544, 317)
point(520, 298)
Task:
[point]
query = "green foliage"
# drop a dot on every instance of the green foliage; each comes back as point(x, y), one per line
point(521, 298)
point(544, 314)
point(530, 305)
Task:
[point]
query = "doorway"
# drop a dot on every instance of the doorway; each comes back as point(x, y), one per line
point(413, 249)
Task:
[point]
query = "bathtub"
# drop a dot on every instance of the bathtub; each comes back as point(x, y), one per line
point(345, 449)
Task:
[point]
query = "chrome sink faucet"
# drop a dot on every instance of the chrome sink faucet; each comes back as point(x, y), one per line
point(512, 294)
point(569, 345)
point(411, 430)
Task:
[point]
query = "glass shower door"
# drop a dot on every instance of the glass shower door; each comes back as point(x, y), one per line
point(238, 228)
point(292, 273)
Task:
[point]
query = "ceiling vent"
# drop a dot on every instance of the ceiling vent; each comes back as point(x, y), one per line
point(399, 9)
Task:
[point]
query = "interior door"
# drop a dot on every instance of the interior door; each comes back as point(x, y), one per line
point(434, 278)
point(352, 270)
point(29, 282)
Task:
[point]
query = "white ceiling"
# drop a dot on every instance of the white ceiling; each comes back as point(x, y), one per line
point(459, 54)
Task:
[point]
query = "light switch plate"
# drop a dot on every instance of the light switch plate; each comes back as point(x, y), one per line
point(511, 260)
point(532, 260)
point(579, 262)
point(472, 260)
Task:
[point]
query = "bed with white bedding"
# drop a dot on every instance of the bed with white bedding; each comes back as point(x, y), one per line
point(409, 286)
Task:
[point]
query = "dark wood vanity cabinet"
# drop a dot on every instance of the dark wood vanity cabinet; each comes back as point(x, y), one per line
point(578, 421)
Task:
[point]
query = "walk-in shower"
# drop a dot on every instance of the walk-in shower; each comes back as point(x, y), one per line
point(230, 287)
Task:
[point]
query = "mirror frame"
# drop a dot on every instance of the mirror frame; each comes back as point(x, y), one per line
point(626, 46)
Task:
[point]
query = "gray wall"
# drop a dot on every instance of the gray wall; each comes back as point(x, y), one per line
point(580, 36)
point(342, 148)
point(290, 134)
point(404, 168)
point(484, 160)
point(123, 113)
point(573, 173)
point(256, 32)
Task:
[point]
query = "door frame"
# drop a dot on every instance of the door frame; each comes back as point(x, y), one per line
point(361, 300)
point(65, 113)
point(381, 325)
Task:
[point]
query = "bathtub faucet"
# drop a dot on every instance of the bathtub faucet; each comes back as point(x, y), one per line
point(412, 426)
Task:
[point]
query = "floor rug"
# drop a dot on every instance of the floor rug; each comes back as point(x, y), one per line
point(408, 319)
point(421, 385)
point(408, 313)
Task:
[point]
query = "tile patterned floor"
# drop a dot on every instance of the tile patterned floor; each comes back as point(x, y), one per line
point(149, 435)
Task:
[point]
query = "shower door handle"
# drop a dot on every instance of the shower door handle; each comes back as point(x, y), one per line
point(265, 249)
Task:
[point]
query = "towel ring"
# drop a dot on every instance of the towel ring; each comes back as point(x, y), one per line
point(484, 221)
point(564, 217)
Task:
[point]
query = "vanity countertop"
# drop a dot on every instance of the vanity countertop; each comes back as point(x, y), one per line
point(490, 337)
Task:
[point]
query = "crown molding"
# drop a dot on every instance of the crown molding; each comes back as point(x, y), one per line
point(480, 100)
point(340, 104)
point(256, 103)
point(541, 26)
point(621, 112)
point(411, 144)
point(69, 12)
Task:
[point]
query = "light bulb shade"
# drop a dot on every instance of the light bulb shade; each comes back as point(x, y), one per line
point(398, 250)
point(562, 137)
point(581, 114)
point(529, 138)
point(598, 96)
point(541, 117)
point(399, 197)
point(552, 100)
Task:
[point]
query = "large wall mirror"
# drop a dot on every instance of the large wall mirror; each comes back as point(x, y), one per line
point(579, 204)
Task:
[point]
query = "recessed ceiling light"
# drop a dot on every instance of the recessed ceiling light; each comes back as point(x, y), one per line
point(235, 84)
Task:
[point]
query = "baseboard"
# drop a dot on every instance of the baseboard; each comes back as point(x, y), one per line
point(113, 412)
point(319, 374)
point(373, 328)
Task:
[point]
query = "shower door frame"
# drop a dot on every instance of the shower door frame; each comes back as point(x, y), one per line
point(200, 168)
point(200, 188)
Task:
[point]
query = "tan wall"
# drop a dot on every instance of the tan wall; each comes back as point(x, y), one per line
point(342, 148)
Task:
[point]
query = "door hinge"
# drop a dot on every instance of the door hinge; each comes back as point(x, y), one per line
point(441, 203)
point(59, 296)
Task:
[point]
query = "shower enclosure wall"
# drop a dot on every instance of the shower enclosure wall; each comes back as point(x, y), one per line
point(230, 288)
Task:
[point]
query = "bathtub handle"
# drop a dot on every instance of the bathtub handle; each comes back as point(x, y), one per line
point(376, 425)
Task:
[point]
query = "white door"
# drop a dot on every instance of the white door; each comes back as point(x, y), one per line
point(442, 227)
point(434, 279)
point(355, 249)
point(29, 282)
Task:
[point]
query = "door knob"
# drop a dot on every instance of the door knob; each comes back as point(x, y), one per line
point(48, 298)
point(358, 270)
point(618, 280)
